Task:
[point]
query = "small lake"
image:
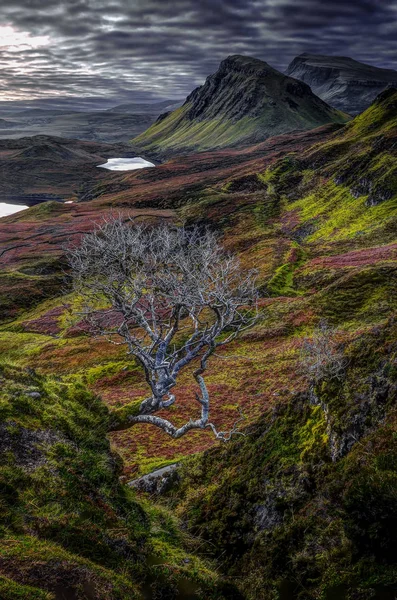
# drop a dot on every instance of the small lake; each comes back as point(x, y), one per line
point(126, 164)
point(10, 209)
point(113, 164)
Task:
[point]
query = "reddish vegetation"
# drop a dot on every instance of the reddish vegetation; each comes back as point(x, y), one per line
point(47, 324)
point(356, 258)
point(23, 239)
point(262, 366)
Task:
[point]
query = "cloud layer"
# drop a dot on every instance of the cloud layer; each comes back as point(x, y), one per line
point(146, 49)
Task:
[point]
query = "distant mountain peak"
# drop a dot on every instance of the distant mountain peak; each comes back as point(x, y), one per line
point(343, 82)
point(239, 61)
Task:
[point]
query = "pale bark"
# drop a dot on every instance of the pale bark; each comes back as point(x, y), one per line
point(156, 285)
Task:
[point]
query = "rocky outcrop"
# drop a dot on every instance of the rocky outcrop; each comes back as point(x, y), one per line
point(27, 446)
point(344, 83)
point(157, 482)
point(245, 87)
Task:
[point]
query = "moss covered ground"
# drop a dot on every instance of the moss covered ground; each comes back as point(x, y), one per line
point(301, 507)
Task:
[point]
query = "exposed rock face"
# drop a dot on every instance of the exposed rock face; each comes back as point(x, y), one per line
point(245, 87)
point(342, 82)
point(158, 482)
point(245, 101)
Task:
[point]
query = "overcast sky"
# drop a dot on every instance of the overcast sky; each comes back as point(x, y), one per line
point(146, 49)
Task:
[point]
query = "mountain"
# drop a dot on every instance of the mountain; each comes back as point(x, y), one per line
point(244, 102)
point(342, 82)
point(154, 108)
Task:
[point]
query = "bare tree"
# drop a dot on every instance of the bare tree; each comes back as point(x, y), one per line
point(322, 356)
point(172, 296)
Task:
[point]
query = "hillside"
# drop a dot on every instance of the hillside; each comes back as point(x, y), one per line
point(342, 82)
point(246, 101)
point(302, 506)
point(45, 166)
point(68, 529)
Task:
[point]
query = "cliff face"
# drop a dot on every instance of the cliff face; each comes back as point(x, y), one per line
point(246, 87)
point(245, 101)
point(342, 82)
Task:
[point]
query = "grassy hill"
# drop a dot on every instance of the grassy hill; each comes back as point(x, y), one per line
point(303, 505)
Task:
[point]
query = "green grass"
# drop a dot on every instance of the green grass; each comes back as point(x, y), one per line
point(64, 517)
point(282, 513)
point(340, 216)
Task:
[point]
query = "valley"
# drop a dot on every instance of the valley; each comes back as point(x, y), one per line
point(44, 168)
point(113, 125)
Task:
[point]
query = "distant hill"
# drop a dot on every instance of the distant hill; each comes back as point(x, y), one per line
point(244, 102)
point(5, 124)
point(154, 108)
point(41, 112)
point(33, 168)
point(344, 83)
point(114, 125)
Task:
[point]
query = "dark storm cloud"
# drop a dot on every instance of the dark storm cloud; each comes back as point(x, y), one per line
point(126, 49)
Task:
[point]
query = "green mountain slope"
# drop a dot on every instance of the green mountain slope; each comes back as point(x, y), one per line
point(302, 506)
point(244, 102)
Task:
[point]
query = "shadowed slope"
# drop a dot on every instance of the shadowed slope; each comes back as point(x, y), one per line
point(344, 83)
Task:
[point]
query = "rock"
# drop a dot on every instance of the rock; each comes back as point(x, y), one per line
point(267, 516)
point(28, 447)
point(36, 395)
point(379, 195)
point(158, 482)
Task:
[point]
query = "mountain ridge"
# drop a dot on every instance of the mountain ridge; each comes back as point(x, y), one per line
point(345, 83)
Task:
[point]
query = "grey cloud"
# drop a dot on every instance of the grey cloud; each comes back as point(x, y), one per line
point(127, 49)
